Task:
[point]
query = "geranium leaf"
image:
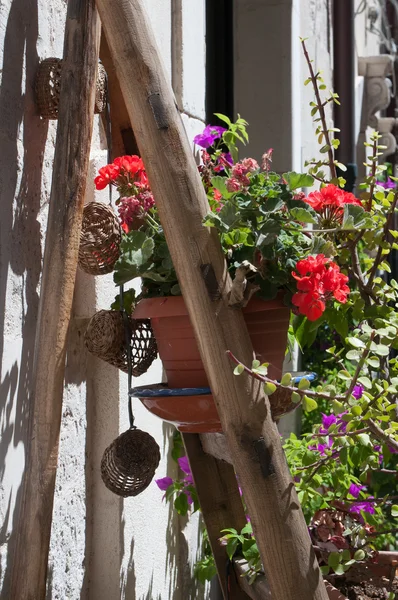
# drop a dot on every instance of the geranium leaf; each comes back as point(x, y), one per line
point(298, 180)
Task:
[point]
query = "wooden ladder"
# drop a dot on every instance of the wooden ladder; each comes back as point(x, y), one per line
point(142, 102)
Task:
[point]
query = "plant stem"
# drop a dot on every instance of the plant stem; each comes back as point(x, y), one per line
point(320, 464)
point(322, 115)
point(381, 435)
point(380, 249)
point(339, 434)
point(360, 364)
point(372, 175)
point(292, 389)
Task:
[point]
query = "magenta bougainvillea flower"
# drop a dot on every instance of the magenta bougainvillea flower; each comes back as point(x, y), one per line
point(357, 391)
point(210, 134)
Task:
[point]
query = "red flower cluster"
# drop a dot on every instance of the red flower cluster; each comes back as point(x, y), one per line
point(127, 173)
point(123, 170)
point(330, 201)
point(318, 280)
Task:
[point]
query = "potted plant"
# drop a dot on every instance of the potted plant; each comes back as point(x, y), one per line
point(262, 220)
point(345, 465)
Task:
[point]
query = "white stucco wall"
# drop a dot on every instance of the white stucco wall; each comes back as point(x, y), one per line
point(102, 547)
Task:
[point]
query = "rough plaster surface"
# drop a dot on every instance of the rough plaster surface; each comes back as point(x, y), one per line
point(102, 547)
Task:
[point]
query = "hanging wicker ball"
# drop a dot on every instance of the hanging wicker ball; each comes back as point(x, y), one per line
point(129, 463)
point(281, 403)
point(100, 239)
point(105, 337)
point(48, 85)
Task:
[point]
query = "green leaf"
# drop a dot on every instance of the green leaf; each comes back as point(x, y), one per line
point(364, 439)
point(394, 510)
point(231, 547)
point(239, 369)
point(304, 384)
point(339, 570)
point(355, 217)
point(380, 349)
point(356, 342)
point(219, 184)
point(334, 560)
point(309, 404)
point(223, 118)
point(359, 555)
point(303, 215)
point(296, 398)
point(338, 407)
point(286, 379)
point(365, 381)
point(325, 570)
point(181, 504)
point(298, 180)
point(373, 361)
point(269, 388)
point(136, 250)
point(353, 355)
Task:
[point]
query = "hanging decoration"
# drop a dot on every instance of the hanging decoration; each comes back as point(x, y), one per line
point(48, 85)
point(100, 239)
point(105, 338)
point(130, 461)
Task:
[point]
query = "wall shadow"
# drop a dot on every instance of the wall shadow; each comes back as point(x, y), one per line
point(20, 243)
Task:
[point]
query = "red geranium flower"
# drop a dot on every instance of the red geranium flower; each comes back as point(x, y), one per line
point(131, 164)
point(329, 201)
point(318, 280)
point(107, 175)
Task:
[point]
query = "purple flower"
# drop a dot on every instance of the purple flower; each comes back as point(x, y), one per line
point(322, 447)
point(327, 421)
point(355, 490)
point(184, 465)
point(210, 134)
point(389, 184)
point(164, 483)
point(357, 391)
point(365, 505)
point(377, 448)
point(392, 450)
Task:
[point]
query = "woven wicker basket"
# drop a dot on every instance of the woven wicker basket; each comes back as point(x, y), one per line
point(130, 462)
point(48, 85)
point(105, 337)
point(281, 403)
point(100, 239)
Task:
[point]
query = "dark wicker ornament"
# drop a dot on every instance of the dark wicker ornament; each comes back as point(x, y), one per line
point(129, 463)
point(105, 337)
point(281, 403)
point(48, 85)
point(100, 239)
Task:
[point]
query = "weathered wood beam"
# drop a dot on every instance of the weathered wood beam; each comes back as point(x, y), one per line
point(259, 589)
point(71, 161)
point(122, 135)
point(216, 445)
point(221, 505)
point(253, 439)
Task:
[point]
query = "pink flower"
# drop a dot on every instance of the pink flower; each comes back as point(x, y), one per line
point(184, 465)
point(164, 483)
point(355, 490)
point(233, 185)
point(250, 165)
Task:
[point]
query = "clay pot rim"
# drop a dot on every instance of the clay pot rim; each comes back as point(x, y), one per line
point(174, 306)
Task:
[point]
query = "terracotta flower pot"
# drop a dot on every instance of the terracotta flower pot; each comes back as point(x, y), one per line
point(267, 322)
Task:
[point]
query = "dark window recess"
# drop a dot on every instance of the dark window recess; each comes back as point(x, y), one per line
point(219, 59)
